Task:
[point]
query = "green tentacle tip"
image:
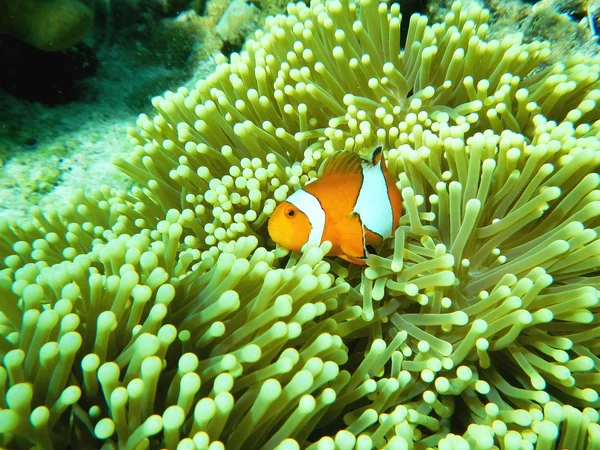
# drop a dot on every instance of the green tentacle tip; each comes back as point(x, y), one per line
point(173, 418)
point(104, 429)
point(9, 421)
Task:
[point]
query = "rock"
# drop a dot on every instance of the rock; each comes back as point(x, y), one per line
point(237, 21)
point(47, 25)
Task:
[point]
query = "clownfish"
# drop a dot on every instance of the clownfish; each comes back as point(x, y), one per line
point(354, 204)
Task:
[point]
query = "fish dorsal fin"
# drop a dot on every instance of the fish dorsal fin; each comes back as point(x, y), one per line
point(341, 163)
point(345, 162)
point(377, 155)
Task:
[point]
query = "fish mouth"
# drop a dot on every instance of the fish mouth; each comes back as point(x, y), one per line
point(280, 236)
point(275, 233)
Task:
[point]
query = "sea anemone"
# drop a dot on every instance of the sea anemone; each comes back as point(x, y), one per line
point(164, 317)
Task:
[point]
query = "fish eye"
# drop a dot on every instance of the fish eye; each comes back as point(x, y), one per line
point(290, 212)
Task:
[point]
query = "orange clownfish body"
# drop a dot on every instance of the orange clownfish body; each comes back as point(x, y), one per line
point(353, 204)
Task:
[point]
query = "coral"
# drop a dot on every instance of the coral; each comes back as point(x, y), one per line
point(568, 24)
point(48, 25)
point(549, 22)
point(164, 317)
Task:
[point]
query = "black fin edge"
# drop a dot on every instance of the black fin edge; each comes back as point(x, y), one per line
point(375, 154)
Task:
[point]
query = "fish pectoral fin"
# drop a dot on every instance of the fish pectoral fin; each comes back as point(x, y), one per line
point(353, 249)
point(360, 262)
point(351, 236)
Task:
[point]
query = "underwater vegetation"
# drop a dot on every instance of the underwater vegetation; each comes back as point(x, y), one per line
point(164, 317)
